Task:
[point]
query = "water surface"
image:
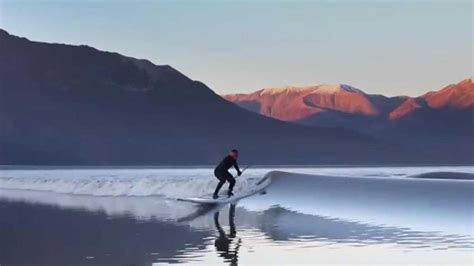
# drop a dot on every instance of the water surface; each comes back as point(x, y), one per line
point(310, 215)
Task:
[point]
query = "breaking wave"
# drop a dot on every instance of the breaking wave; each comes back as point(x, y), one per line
point(173, 183)
point(123, 184)
point(396, 200)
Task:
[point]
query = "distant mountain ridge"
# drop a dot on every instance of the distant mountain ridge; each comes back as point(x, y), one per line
point(293, 103)
point(457, 96)
point(436, 121)
point(296, 103)
point(75, 105)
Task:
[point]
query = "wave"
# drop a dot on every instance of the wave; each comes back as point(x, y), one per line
point(395, 201)
point(400, 202)
point(169, 186)
point(174, 183)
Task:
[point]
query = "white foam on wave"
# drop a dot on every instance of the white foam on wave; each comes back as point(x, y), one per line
point(173, 183)
point(119, 182)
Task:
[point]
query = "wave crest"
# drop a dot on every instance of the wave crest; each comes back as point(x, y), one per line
point(170, 187)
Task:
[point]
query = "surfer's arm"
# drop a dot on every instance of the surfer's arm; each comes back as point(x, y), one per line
point(237, 168)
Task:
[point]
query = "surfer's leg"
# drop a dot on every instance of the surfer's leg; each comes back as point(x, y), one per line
point(219, 185)
point(231, 181)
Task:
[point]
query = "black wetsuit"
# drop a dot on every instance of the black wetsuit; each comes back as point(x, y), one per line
point(222, 173)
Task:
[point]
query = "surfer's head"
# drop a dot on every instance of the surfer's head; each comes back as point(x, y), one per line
point(234, 153)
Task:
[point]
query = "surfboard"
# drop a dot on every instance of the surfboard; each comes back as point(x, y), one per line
point(208, 200)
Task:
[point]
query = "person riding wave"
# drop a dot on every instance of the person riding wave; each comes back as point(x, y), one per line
point(222, 172)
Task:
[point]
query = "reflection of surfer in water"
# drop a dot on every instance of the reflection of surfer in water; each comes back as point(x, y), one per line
point(223, 241)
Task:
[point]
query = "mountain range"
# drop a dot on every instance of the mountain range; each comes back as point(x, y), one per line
point(438, 122)
point(75, 105)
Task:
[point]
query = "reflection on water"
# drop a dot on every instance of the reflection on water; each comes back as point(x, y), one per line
point(224, 243)
point(301, 219)
point(283, 225)
point(243, 236)
point(33, 234)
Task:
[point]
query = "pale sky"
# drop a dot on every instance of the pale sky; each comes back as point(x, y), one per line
point(388, 47)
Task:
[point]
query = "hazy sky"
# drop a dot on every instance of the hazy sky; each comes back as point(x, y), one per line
point(389, 47)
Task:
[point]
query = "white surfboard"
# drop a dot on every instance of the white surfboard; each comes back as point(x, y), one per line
point(208, 200)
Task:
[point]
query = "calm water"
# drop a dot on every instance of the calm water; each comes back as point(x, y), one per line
point(306, 216)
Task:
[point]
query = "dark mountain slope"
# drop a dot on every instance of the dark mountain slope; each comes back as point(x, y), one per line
point(63, 104)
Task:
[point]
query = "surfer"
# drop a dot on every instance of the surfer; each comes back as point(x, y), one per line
point(222, 172)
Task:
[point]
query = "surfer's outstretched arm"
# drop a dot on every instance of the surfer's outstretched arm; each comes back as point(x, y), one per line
point(236, 166)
